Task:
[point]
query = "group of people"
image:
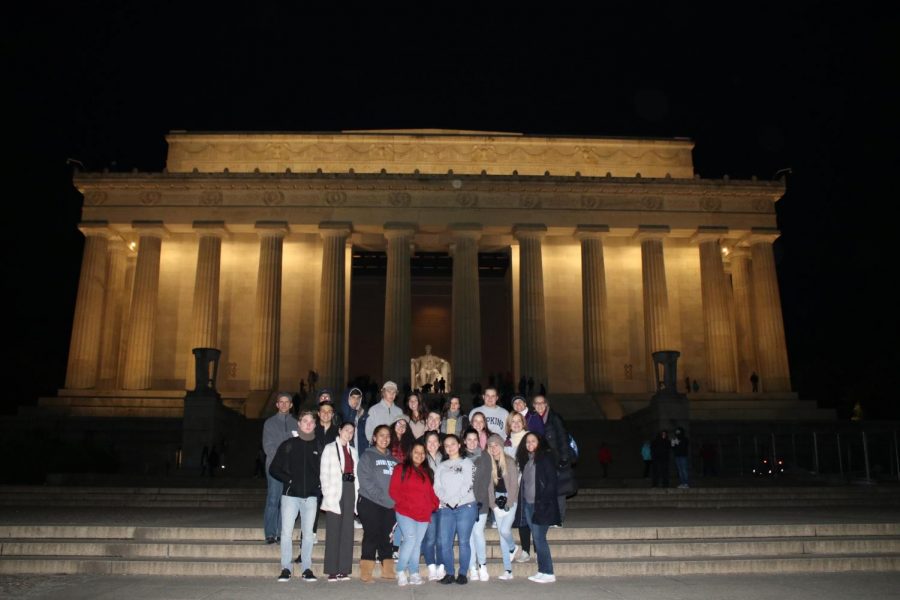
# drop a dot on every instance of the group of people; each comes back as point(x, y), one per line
point(417, 481)
point(656, 458)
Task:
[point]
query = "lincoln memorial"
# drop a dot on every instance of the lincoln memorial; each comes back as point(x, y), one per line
point(568, 260)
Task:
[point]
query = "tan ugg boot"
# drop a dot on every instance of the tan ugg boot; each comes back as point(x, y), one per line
point(365, 571)
point(387, 569)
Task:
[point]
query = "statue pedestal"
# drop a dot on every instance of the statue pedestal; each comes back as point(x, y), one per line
point(202, 410)
point(668, 408)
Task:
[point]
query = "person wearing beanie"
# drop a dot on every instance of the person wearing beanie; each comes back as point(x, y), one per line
point(478, 563)
point(296, 465)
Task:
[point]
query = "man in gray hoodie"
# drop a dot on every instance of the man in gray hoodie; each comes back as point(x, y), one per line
point(385, 412)
point(279, 427)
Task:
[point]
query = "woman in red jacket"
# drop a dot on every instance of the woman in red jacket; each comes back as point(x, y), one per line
point(412, 488)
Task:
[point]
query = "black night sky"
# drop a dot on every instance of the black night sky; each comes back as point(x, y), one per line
point(802, 85)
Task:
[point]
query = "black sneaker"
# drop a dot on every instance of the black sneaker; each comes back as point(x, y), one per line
point(333, 578)
point(285, 576)
point(270, 540)
point(343, 577)
point(308, 576)
point(448, 579)
point(462, 579)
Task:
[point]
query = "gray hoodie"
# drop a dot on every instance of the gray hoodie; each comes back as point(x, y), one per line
point(277, 428)
point(453, 482)
point(381, 414)
point(374, 471)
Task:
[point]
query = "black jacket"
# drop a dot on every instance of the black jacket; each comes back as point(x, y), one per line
point(557, 437)
point(546, 504)
point(296, 466)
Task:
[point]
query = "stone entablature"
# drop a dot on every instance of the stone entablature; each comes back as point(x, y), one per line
point(369, 201)
point(428, 152)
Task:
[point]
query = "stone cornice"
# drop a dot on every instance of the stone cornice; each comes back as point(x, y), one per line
point(395, 191)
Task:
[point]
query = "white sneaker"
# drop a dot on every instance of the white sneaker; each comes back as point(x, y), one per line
point(523, 557)
point(494, 525)
point(473, 574)
point(441, 572)
point(483, 574)
point(415, 579)
point(507, 575)
point(357, 524)
point(542, 578)
point(514, 552)
point(432, 573)
point(402, 579)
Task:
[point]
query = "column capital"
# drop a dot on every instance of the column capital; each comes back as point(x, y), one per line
point(763, 234)
point(335, 228)
point(707, 233)
point(272, 228)
point(652, 232)
point(396, 229)
point(466, 230)
point(210, 228)
point(739, 253)
point(150, 228)
point(529, 231)
point(96, 228)
point(591, 232)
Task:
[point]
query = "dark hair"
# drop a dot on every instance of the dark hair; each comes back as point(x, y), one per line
point(522, 451)
point(406, 442)
point(422, 471)
point(379, 428)
point(453, 436)
point(421, 411)
point(429, 434)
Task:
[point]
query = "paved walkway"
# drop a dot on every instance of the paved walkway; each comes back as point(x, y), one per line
point(707, 587)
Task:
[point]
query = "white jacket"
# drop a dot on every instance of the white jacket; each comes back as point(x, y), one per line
point(331, 474)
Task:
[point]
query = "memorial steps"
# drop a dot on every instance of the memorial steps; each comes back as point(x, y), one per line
point(587, 498)
point(577, 551)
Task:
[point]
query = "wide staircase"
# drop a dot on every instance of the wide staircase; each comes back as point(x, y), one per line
point(607, 532)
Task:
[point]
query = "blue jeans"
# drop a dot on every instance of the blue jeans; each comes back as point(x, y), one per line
point(272, 513)
point(290, 508)
point(477, 546)
point(450, 524)
point(430, 547)
point(413, 534)
point(504, 528)
point(681, 463)
point(539, 534)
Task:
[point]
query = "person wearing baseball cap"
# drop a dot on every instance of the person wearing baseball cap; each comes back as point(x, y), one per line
point(385, 411)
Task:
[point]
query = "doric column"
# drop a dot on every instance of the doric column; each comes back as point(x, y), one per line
point(743, 317)
point(144, 298)
point(267, 327)
point(113, 311)
point(656, 294)
point(466, 307)
point(533, 327)
point(714, 290)
point(593, 301)
point(774, 374)
point(84, 345)
point(397, 315)
point(330, 335)
point(205, 314)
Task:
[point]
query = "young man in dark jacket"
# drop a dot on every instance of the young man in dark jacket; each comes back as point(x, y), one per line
point(296, 465)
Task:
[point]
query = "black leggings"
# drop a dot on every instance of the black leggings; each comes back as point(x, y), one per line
point(377, 522)
point(525, 538)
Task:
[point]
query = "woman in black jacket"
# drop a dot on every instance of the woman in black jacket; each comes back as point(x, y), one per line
point(538, 507)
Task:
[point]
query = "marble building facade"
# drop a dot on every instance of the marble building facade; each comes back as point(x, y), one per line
point(245, 243)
